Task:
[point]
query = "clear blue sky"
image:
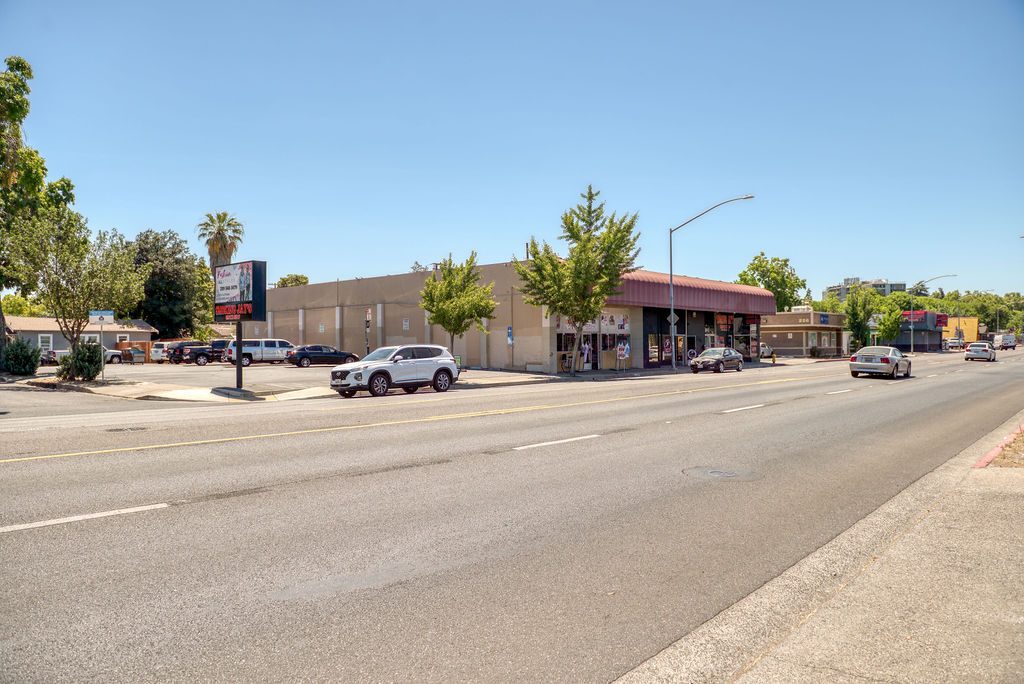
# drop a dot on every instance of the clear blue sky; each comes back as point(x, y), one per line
point(881, 139)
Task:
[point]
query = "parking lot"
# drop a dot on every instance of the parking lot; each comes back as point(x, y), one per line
point(216, 374)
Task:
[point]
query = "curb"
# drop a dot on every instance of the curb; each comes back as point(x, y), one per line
point(998, 449)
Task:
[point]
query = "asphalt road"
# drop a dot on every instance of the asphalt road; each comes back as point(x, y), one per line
point(562, 531)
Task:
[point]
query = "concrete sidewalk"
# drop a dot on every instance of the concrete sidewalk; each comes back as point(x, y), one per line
point(925, 589)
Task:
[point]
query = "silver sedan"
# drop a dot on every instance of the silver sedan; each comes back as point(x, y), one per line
point(888, 361)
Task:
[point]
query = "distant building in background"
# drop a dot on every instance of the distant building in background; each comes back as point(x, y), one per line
point(879, 285)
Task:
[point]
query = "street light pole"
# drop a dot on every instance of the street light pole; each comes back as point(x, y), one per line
point(671, 277)
point(920, 282)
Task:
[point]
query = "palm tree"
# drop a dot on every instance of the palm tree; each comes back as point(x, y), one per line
point(222, 234)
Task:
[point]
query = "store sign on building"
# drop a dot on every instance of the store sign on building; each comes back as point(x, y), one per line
point(822, 319)
point(240, 292)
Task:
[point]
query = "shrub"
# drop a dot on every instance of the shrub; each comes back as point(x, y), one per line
point(21, 357)
point(815, 353)
point(84, 363)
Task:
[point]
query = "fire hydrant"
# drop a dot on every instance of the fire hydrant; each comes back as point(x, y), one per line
point(773, 358)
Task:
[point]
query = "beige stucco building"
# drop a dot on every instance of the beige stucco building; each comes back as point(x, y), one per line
point(520, 336)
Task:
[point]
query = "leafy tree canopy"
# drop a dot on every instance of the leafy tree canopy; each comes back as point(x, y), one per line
point(291, 280)
point(860, 306)
point(78, 274)
point(178, 293)
point(776, 276)
point(889, 325)
point(602, 249)
point(16, 305)
point(455, 300)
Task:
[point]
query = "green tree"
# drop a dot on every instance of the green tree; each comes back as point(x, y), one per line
point(918, 290)
point(890, 324)
point(860, 306)
point(222, 234)
point(776, 276)
point(77, 274)
point(417, 267)
point(602, 249)
point(16, 305)
point(23, 186)
point(178, 297)
point(455, 300)
point(291, 280)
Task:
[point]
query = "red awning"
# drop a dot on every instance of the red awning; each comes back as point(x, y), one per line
point(647, 288)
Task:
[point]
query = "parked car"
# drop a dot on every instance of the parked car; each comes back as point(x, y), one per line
point(981, 351)
point(47, 357)
point(176, 350)
point(766, 351)
point(717, 359)
point(111, 355)
point(409, 367)
point(318, 353)
point(203, 353)
point(888, 361)
point(270, 350)
point(158, 352)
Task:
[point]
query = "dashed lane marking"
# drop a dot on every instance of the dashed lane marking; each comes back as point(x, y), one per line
point(743, 408)
point(77, 518)
point(557, 441)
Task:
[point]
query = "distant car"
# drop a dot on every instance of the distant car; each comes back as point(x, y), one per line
point(1005, 341)
point(954, 343)
point(47, 357)
point(766, 351)
point(888, 361)
point(318, 353)
point(981, 351)
point(717, 359)
point(158, 352)
point(264, 349)
point(176, 350)
point(408, 366)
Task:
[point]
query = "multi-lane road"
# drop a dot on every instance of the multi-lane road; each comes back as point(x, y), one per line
point(545, 532)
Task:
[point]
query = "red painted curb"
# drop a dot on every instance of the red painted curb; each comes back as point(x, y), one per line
point(987, 458)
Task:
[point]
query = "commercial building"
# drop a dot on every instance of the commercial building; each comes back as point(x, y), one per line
point(964, 327)
point(365, 313)
point(879, 285)
point(927, 329)
point(801, 331)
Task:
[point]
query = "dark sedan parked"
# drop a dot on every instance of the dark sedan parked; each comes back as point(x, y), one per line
point(717, 359)
point(319, 353)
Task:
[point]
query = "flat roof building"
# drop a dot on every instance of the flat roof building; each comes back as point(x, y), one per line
point(365, 313)
point(879, 285)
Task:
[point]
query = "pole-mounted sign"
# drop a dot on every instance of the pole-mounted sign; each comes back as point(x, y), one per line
point(101, 318)
point(240, 294)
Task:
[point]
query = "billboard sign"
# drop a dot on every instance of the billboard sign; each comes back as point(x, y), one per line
point(101, 318)
point(240, 292)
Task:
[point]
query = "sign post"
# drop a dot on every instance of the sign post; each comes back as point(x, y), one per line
point(101, 318)
point(240, 294)
point(367, 330)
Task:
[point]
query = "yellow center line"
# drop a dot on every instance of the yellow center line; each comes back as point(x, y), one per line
point(410, 421)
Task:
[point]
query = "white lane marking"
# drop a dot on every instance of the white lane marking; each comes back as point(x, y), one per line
point(743, 408)
point(839, 391)
point(934, 375)
point(557, 441)
point(77, 518)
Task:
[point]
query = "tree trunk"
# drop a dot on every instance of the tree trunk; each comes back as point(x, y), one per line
point(3, 333)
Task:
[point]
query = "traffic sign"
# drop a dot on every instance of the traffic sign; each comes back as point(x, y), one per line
point(673, 318)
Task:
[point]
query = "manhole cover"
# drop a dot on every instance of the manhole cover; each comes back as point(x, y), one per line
point(707, 473)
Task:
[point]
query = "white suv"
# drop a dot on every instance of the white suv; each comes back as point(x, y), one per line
point(408, 366)
point(253, 351)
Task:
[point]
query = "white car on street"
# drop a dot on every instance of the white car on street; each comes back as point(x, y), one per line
point(983, 351)
point(408, 366)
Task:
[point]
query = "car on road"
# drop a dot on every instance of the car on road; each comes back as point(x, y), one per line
point(318, 354)
point(982, 351)
point(954, 344)
point(888, 361)
point(409, 366)
point(717, 359)
point(1005, 341)
point(766, 351)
